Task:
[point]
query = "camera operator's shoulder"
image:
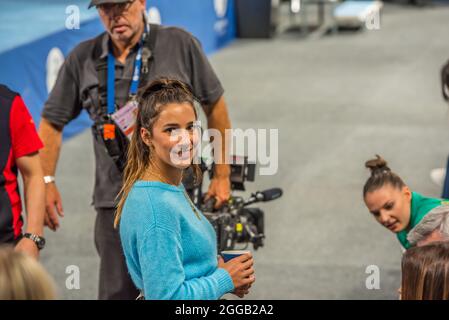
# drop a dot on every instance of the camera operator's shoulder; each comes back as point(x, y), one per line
point(87, 51)
point(175, 35)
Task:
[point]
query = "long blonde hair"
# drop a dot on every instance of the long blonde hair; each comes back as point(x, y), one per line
point(151, 100)
point(23, 278)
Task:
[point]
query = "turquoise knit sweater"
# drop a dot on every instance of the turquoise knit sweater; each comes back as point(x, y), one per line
point(170, 253)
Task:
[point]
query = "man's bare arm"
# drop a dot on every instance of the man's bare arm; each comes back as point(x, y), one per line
point(218, 119)
point(51, 136)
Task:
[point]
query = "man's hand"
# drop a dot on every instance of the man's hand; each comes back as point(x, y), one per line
point(29, 247)
point(53, 206)
point(220, 189)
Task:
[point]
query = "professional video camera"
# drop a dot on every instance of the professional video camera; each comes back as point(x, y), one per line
point(235, 223)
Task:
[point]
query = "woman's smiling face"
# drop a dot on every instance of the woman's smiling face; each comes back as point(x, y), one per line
point(390, 206)
point(175, 135)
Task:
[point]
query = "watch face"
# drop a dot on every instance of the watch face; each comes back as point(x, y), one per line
point(41, 243)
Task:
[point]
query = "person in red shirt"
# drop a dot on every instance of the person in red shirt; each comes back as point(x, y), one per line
point(19, 151)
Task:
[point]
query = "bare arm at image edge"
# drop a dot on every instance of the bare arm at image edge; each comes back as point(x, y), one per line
point(34, 192)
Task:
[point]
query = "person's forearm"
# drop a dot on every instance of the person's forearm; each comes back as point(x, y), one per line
point(219, 119)
point(34, 190)
point(51, 136)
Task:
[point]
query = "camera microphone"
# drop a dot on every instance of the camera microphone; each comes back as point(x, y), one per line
point(268, 195)
point(264, 196)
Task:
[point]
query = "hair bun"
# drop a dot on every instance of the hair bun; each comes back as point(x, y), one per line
point(377, 165)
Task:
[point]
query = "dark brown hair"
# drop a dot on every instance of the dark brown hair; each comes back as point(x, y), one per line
point(425, 272)
point(381, 175)
point(152, 99)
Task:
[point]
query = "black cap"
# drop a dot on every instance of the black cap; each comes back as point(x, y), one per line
point(94, 3)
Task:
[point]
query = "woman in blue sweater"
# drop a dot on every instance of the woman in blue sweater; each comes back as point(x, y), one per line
point(169, 245)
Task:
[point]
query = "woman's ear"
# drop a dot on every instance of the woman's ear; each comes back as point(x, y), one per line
point(407, 192)
point(145, 135)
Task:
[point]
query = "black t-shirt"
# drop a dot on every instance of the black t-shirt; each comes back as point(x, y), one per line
point(177, 55)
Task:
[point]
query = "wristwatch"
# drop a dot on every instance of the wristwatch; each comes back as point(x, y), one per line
point(39, 241)
point(49, 179)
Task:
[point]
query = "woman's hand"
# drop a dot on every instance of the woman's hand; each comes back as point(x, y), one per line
point(241, 271)
point(242, 291)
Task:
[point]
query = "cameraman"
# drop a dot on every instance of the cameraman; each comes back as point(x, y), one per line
point(129, 41)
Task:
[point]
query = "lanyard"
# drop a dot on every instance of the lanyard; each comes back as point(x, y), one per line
point(111, 76)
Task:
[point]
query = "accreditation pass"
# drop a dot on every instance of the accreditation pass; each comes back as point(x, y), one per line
point(126, 117)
